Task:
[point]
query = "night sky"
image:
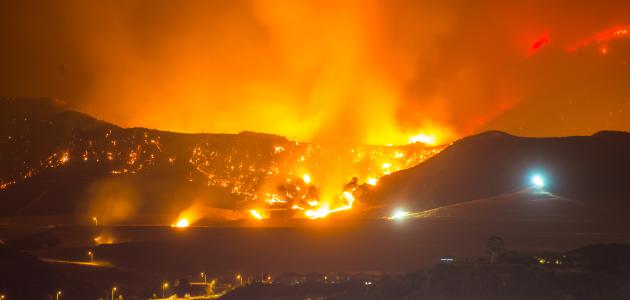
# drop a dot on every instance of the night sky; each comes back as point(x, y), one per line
point(363, 71)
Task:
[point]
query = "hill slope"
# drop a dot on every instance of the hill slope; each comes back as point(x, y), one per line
point(58, 161)
point(592, 169)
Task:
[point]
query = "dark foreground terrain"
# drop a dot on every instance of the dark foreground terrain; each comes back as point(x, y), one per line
point(142, 258)
point(592, 272)
point(599, 271)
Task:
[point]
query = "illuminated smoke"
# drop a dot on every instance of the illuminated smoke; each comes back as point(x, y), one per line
point(112, 200)
point(373, 72)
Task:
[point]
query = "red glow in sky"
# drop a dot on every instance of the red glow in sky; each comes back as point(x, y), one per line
point(539, 43)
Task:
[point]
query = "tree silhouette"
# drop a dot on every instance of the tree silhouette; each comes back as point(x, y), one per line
point(495, 247)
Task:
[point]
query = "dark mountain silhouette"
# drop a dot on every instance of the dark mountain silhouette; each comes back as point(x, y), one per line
point(592, 170)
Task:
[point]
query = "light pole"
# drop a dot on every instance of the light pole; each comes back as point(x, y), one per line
point(58, 295)
point(203, 276)
point(95, 221)
point(113, 291)
point(91, 255)
point(239, 277)
point(212, 286)
point(164, 287)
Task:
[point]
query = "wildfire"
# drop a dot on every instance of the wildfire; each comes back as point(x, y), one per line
point(309, 180)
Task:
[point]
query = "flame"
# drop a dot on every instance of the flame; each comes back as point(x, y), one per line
point(256, 214)
point(372, 181)
point(427, 139)
point(181, 223)
point(324, 210)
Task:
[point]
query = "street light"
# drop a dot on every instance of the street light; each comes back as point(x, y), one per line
point(91, 255)
point(58, 295)
point(212, 286)
point(95, 221)
point(203, 276)
point(2, 297)
point(239, 277)
point(113, 291)
point(164, 287)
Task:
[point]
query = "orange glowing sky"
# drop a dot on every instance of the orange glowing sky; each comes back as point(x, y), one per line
point(363, 71)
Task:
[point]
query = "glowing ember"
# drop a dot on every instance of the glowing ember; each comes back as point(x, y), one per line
point(307, 178)
point(65, 157)
point(601, 37)
point(372, 181)
point(273, 199)
point(278, 149)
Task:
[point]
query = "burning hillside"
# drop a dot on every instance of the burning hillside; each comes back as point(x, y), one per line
point(266, 174)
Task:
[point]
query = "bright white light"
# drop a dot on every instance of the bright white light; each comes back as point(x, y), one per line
point(399, 214)
point(538, 181)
